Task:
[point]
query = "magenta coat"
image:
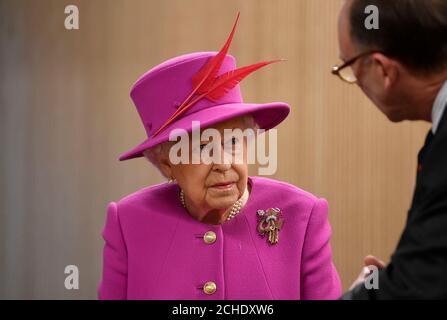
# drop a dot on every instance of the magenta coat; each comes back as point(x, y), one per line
point(155, 250)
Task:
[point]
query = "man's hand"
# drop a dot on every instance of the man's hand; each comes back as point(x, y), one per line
point(369, 260)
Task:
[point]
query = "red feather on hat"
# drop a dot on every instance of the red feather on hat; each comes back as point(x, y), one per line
point(229, 80)
point(206, 76)
point(203, 79)
point(207, 85)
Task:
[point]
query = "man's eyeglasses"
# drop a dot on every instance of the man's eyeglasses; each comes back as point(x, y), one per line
point(345, 71)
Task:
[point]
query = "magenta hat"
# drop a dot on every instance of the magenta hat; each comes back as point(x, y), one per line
point(161, 92)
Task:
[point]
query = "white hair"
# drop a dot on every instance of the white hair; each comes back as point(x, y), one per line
point(161, 151)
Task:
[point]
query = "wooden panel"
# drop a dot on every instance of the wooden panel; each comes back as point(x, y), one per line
point(66, 115)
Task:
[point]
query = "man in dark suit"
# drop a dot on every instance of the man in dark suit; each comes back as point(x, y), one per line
point(401, 65)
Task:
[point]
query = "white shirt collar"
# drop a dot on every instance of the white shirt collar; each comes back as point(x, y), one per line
point(438, 107)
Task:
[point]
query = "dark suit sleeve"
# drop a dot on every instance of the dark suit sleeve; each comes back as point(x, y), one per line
point(418, 268)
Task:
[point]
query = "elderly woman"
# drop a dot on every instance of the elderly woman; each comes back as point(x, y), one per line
point(212, 232)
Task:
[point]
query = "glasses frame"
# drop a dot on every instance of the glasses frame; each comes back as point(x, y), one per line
point(336, 69)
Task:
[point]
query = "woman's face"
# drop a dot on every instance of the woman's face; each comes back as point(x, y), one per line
point(211, 189)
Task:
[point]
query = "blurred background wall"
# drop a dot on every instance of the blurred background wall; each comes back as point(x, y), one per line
point(66, 115)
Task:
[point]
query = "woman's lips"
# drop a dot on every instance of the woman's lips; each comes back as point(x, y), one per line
point(223, 185)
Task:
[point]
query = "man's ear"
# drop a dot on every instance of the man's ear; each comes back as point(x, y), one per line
point(387, 68)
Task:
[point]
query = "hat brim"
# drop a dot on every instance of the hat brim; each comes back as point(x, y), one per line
point(267, 116)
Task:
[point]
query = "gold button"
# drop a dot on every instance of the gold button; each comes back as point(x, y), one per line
point(209, 237)
point(209, 287)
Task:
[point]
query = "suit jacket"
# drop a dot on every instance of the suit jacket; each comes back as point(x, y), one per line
point(155, 250)
point(418, 267)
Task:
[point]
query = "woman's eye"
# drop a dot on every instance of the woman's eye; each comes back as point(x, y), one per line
point(234, 141)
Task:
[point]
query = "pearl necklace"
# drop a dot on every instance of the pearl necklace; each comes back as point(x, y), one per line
point(237, 206)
